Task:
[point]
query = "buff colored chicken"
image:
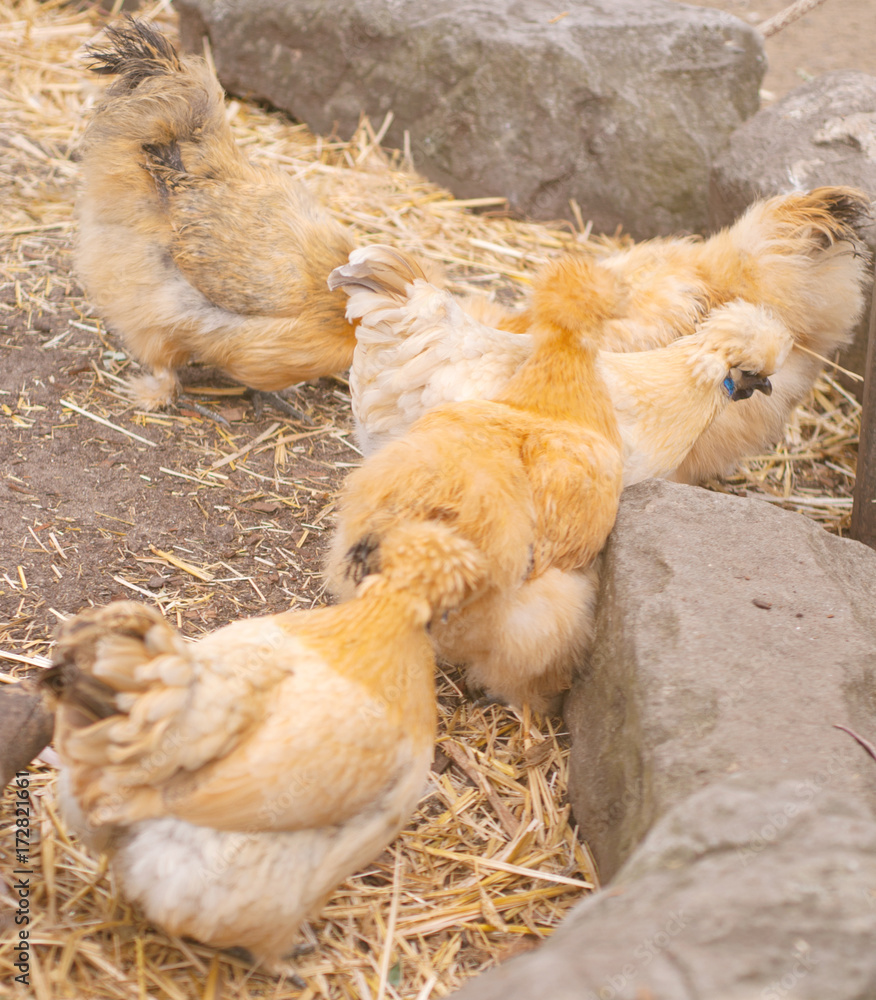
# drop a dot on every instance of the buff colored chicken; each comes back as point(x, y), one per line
point(238, 779)
point(798, 255)
point(668, 398)
point(664, 399)
point(538, 465)
point(189, 251)
point(531, 479)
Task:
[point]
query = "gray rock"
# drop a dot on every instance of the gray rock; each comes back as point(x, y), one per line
point(621, 105)
point(26, 726)
point(759, 887)
point(820, 133)
point(730, 636)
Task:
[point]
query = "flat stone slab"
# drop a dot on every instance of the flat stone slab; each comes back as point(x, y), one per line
point(731, 636)
point(621, 105)
point(761, 886)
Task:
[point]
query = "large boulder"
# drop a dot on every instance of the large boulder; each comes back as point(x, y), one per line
point(731, 636)
point(821, 133)
point(735, 822)
point(759, 887)
point(621, 105)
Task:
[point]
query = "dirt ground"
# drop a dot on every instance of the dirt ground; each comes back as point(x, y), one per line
point(88, 510)
point(838, 34)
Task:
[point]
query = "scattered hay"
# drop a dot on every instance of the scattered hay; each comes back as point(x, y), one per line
point(489, 864)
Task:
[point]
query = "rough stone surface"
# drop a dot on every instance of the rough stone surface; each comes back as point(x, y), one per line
point(760, 887)
point(730, 636)
point(26, 728)
point(620, 104)
point(820, 133)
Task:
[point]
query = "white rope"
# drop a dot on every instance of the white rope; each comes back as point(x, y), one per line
point(787, 16)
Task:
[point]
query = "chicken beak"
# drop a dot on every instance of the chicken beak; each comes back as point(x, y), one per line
point(746, 385)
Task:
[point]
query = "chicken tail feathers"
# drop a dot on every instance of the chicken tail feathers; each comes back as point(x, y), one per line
point(98, 653)
point(377, 268)
point(428, 561)
point(120, 683)
point(79, 639)
point(825, 215)
point(136, 51)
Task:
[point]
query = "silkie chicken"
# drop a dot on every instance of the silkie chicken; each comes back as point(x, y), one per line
point(507, 474)
point(188, 250)
point(664, 399)
point(531, 479)
point(797, 255)
point(236, 780)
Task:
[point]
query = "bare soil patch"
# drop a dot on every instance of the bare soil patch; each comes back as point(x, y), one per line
point(838, 34)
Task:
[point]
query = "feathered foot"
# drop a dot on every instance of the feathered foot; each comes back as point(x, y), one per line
point(153, 390)
point(159, 390)
point(282, 968)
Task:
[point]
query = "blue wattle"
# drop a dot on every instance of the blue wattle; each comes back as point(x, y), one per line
point(729, 385)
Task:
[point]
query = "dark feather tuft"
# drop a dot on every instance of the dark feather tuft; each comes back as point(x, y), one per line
point(135, 52)
point(849, 209)
point(66, 683)
point(165, 166)
point(363, 558)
